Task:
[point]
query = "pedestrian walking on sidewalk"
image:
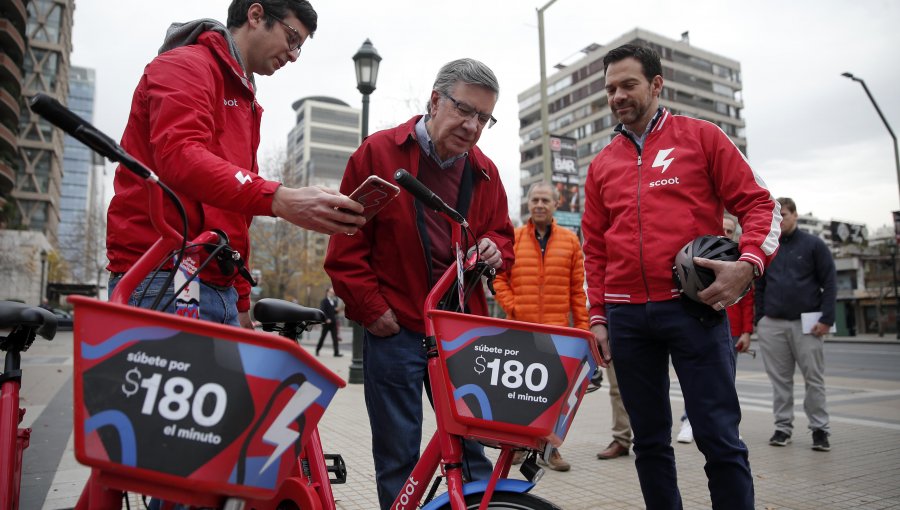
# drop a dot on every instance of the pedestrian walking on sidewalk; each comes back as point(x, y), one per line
point(546, 283)
point(661, 182)
point(800, 281)
point(329, 305)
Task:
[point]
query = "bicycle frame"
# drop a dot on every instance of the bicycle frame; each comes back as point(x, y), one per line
point(310, 488)
point(14, 439)
point(444, 450)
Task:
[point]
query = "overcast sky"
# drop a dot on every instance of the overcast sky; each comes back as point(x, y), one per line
point(812, 134)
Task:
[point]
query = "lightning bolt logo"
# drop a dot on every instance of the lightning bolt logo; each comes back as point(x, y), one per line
point(243, 179)
point(572, 401)
point(279, 433)
point(662, 161)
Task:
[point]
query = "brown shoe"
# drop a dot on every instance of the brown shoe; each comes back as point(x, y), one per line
point(614, 450)
point(556, 462)
point(519, 457)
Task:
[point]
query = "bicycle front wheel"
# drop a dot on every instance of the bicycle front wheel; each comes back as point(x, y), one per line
point(508, 501)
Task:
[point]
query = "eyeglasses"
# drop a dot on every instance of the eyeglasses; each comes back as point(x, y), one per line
point(294, 39)
point(467, 112)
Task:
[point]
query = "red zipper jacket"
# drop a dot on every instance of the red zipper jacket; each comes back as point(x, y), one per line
point(740, 315)
point(383, 266)
point(642, 207)
point(194, 121)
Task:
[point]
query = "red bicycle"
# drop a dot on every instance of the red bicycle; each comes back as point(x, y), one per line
point(24, 323)
point(218, 417)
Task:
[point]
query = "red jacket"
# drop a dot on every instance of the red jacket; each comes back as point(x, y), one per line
point(384, 266)
point(544, 289)
point(194, 121)
point(641, 208)
point(740, 315)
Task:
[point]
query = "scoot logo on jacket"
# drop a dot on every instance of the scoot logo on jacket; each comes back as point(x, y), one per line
point(662, 161)
point(230, 102)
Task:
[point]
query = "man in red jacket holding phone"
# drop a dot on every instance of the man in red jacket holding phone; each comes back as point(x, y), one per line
point(384, 273)
point(195, 121)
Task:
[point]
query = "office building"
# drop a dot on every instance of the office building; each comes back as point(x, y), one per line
point(320, 144)
point(40, 145)
point(81, 232)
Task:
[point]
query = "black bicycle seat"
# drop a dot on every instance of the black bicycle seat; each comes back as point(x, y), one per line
point(270, 311)
point(13, 314)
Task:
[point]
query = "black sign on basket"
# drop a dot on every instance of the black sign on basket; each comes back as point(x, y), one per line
point(181, 417)
point(512, 377)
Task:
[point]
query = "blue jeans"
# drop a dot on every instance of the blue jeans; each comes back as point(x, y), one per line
point(734, 340)
point(642, 337)
point(395, 370)
point(219, 306)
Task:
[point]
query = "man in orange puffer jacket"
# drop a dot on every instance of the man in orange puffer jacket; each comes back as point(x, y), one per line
point(546, 283)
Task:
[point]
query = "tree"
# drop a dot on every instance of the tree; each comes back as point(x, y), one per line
point(285, 254)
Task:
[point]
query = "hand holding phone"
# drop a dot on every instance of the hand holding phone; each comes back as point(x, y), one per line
point(374, 193)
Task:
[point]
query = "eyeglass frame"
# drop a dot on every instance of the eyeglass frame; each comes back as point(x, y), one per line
point(461, 111)
point(291, 30)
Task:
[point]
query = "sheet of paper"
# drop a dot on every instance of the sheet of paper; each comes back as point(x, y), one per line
point(809, 319)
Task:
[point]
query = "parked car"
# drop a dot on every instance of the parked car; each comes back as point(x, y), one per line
point(64, 319)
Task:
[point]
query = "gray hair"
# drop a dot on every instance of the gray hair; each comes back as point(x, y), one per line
point(466, 70)
point(543, 184)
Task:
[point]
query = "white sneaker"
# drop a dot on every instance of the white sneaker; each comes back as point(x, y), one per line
point(686, 435)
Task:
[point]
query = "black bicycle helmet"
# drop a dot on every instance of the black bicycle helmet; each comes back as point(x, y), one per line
point(691, 279)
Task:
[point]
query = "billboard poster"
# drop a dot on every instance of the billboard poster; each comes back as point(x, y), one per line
point(848, 233)
point(566, 180)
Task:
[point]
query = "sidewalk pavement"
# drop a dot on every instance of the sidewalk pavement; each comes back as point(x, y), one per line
point(862, 471)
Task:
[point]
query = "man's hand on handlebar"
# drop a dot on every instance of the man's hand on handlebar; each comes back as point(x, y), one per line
point(319, 209)
point(386, 325)
point(489, 253)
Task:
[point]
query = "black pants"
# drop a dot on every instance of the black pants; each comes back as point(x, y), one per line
point(331, 326)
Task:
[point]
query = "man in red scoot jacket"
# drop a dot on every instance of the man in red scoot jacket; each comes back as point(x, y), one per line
point(663, 181)
point(384, 273)
point(195, 121)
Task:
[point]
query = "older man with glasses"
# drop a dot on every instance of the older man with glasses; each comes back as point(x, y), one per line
point(195, 120)
point(384, 274)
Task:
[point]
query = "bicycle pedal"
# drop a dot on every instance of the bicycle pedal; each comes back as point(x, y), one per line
point(339, 468)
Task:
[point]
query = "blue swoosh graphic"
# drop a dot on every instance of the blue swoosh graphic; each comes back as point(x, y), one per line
point(480, 396)
point(123, 337)
point(123, 426)
point(571, 346)
point(456, 343)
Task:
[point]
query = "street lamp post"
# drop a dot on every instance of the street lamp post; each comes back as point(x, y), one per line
point(366, 62)
point(883, 119)
point(43, 292)
point(896, 297)
point(897, 166)
point(545, 108)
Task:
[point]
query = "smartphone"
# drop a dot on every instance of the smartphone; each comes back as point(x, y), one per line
point(374, 193)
